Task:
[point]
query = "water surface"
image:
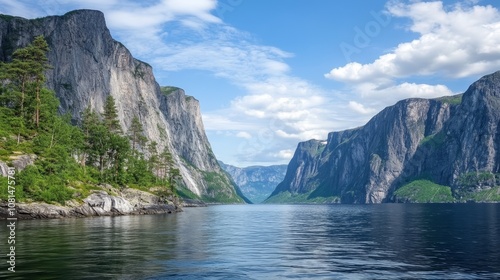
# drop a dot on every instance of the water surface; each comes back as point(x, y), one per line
point(391, 241)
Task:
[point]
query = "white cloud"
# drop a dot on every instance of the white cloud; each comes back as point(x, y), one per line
point(226, 121)
point(276, 109)
point(122, 15)
point(244, 134)
point(457, 41)
point(10, 7)
point(461, 40)
point(360, 108)
point(194, 14)
point(285, 154)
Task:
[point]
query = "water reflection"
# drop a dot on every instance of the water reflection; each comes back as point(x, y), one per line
point(458, 239)
point(267, 242)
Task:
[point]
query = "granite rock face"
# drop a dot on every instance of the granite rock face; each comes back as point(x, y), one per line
point(18, 162)
point(88, 65)
point(100, 203)
point(441, 140)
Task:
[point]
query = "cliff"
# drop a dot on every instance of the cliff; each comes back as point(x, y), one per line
point(88, 65)
point(256, 182)
point(413, 147)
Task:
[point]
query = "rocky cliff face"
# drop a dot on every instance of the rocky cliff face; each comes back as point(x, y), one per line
point(99, 203)
point(88, 65)
point(256, 182)
point(445, 141)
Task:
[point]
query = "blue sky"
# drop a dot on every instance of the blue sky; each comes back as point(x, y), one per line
point(269, 74)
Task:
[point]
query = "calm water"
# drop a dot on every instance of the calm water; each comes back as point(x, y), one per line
point(392, 241)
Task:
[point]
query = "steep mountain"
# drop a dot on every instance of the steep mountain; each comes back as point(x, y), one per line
point(256, 182)
point(413, 151)
point(88, 65)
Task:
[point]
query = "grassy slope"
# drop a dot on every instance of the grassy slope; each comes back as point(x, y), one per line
point(289, 198)
point(423, 191)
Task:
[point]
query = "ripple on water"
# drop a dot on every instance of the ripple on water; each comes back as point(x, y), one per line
point(268, 242)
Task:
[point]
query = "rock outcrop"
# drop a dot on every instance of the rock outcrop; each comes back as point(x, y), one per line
point(88, 65)
point(256, 182)
point(18, 162)
point(100, 203)
point(452, 141)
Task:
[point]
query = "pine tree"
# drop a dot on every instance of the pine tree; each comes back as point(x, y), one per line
point(175, 174)
point(118, 152)
point(135, 133)
point(89, 120)
point(166, 164)
point(29, 65)
point(39, 56)
point(25, 77)
point(153, 158)
point(111, 116)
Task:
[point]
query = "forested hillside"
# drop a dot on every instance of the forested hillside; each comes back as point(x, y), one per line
point(69, 161)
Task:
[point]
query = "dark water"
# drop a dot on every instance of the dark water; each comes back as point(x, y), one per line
point(393, 241)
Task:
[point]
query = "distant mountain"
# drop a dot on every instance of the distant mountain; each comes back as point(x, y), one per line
point(88, 65)
point(419, 150)
point(256, 182)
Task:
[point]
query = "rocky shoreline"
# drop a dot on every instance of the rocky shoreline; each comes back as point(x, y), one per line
point(100, 203)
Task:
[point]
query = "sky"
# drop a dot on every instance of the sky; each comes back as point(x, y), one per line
point(269, 74)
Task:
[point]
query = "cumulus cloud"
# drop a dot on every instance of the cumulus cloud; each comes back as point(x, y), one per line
point(285, 154)
point(122, 15)
point(456, 41)
point(135, 16)
point(274, 109)
point(360, 108)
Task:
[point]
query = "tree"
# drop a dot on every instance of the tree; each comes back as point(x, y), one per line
point(111, 116)
point(25, 77)
point(175, 174)
point(166, 164)
point(39, 53)
point(154, 160)
point(135, 133)
point(89, 120)
point(118, 151)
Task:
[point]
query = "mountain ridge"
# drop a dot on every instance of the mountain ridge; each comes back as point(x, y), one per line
point(447, 142)
point(256, 182)
point(88, 65)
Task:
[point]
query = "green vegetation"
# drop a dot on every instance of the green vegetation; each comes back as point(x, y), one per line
point(216, 193)
point(452, 100)
point(473, 180)
point(472, 186)
point(304, 198)
point(168, 90)
point(423, 191)
point(7, 17)
point(71, 161)
point(434, 140)
point(478, 186)
point(485, 195)
point(186, 193)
